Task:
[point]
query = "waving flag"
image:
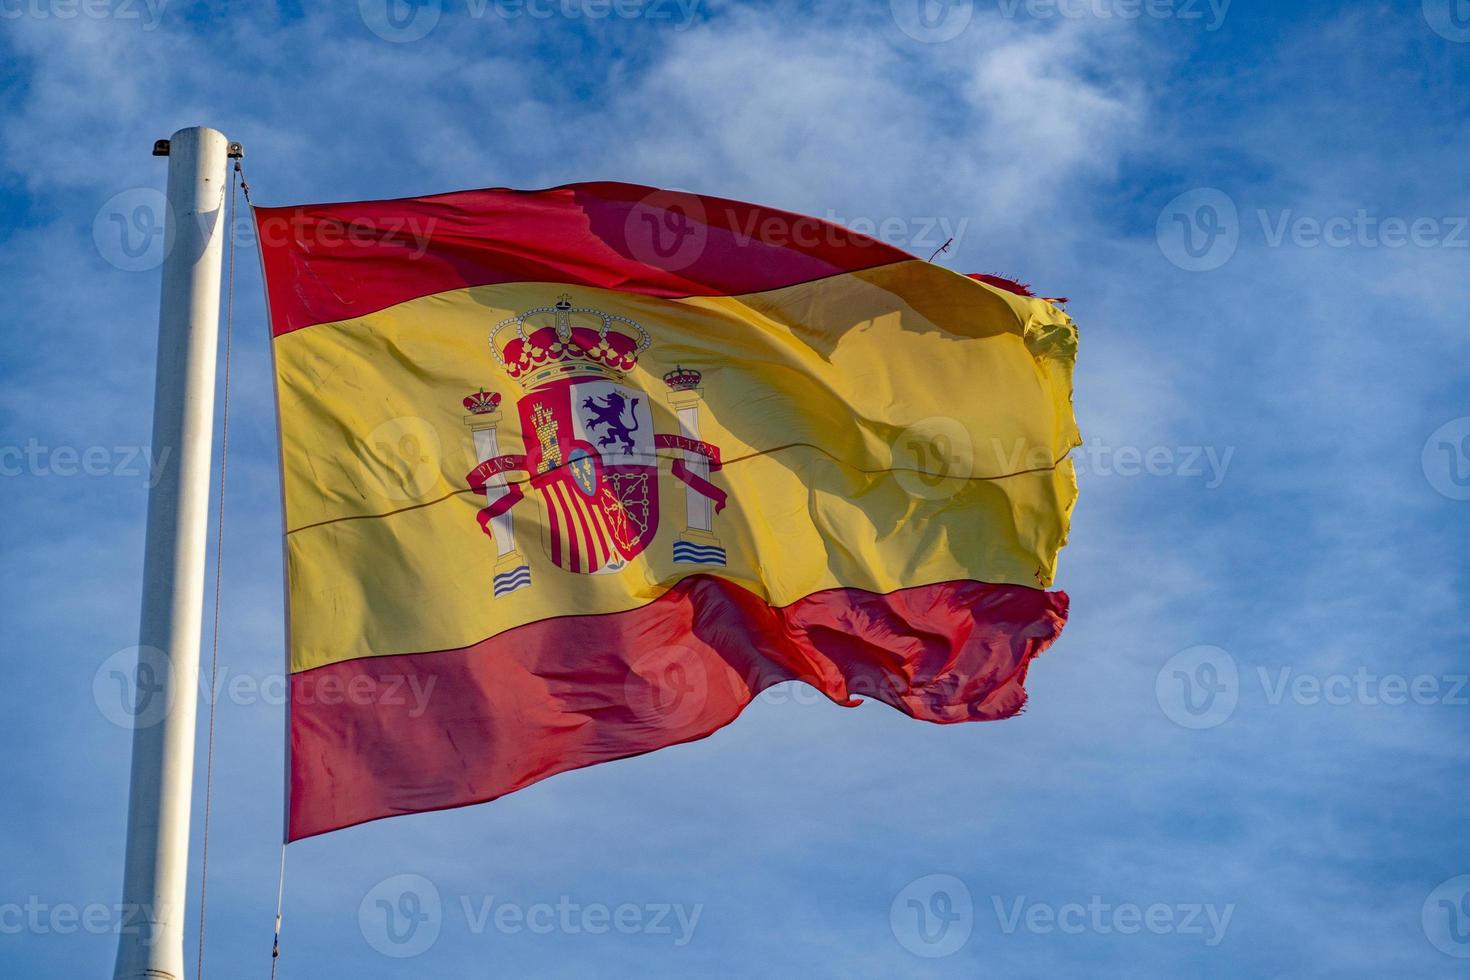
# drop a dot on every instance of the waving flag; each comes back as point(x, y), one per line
point(572, 475)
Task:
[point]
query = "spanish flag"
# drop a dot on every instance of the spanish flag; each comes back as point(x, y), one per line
point(571, 475)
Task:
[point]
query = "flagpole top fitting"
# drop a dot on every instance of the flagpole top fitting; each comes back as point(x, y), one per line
point(234, 151)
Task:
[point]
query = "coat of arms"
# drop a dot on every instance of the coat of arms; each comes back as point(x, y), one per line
point(590, 451)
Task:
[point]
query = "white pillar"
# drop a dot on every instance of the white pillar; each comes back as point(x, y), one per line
point(152, 941)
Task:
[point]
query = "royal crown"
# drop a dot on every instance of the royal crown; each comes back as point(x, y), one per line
point(482, 402)
point(566, 341)
point(682, 379)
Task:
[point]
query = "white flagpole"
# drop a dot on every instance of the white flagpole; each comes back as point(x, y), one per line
point(151, 943)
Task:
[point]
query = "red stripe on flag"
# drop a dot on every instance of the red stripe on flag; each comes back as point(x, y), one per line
point(569, 527)
point(576, 529)
point(576, 532)
point(389, 735)
point(553, 522)
point(584, 516)
point(328, 262)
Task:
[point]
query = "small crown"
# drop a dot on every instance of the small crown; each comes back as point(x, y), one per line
point(562, 340)
point(682, 379)
point(482, 402)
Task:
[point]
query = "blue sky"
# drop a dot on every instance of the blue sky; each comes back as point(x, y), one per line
point(1254, 729)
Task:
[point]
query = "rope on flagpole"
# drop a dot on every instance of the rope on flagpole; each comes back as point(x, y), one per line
point(244, 185)
point(219, 568)
point(280, 895)
point(281, 877)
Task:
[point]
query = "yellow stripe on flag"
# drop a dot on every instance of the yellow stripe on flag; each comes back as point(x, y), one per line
point(880, 429)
